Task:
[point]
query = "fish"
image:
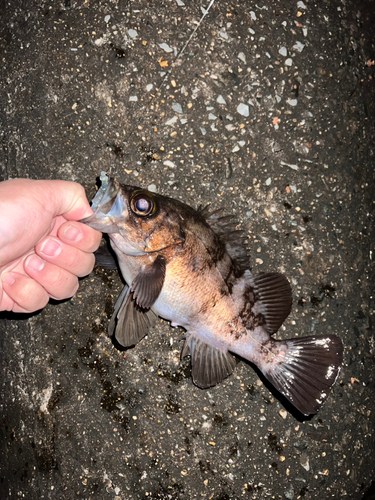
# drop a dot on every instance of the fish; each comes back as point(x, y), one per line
point(191, 267)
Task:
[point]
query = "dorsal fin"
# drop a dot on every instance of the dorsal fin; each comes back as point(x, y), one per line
point(233, 238)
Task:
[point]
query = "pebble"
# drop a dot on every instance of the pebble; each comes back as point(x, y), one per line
point(288, 62)
point(243, 109)
point(107, 18)
point(152, 188)
point(180, 3)
point(292, 102)
point(221, 100)
point(289, 492)
point(283, 414)
point(149, 87)
point(301, 5)
point(165, 47)
point(299, 46)
point(283, 51)
point(133, 98)
point(304, 461)
point(133, 33)
point(169, 163)
point(172, 121)
point(177, 107)
point(241, 56)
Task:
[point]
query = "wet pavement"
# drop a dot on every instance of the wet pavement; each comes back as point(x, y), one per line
point(267, 112)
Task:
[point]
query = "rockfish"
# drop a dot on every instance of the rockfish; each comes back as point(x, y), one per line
point(191, 268)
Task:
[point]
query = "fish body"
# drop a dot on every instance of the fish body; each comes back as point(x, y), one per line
point(191, 268)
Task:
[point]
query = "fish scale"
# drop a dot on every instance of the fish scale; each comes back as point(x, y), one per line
point(191, 268)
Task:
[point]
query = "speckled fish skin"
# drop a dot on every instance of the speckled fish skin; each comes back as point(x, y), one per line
point(191, 268)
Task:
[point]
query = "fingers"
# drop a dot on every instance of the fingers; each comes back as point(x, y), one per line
point(57, 282)
point(80, 236)
point(67, 257)
point(22, 294)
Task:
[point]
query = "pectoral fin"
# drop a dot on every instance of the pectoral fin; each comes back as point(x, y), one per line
point(129, 323)
point(104, 258)
point(209, 364)
point(148, 283)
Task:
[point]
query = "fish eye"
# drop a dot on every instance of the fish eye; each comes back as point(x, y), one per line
point(142, 204)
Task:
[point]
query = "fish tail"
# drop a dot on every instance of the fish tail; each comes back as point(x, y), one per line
point(304, 369)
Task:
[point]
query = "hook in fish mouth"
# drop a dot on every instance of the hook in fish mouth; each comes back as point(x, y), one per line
point(107, 206)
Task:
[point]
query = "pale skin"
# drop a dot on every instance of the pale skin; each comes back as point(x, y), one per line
point(43, 247)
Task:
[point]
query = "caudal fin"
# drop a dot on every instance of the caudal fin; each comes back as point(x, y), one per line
point(306, 370)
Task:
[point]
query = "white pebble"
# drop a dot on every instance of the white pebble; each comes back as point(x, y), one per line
point(133, 98)
point(221, 100)
point(299, 46)
point(149, 87)
point(177, 107)
point(152, 188)
point(243, 109)
point(211, 116)
point(268, 181)
point(301, 5)
point(165, 47)
point(241, 56)
point(288, 62)
point(283, 51)
point(171, 121)
point(133, 33)
point(292, 102)
point(107, 18)
point(253, 15)
point(169, 163)
point(180, 3)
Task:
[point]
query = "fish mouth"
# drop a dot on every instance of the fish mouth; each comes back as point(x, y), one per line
point(106, 205)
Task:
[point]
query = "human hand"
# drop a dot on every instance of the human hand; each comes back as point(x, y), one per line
point(43, 249)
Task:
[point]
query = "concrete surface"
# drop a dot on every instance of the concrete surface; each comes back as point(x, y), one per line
point(269, 112)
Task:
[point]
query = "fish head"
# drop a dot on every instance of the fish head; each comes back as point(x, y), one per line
point(137, 221)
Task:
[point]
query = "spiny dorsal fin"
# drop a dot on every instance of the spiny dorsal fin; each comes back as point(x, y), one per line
point(234, 239)
point(274, 297)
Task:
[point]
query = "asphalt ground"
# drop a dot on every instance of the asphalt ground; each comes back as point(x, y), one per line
point(267, 112)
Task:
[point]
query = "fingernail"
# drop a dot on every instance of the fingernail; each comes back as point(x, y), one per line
point(51, 247)
point(35, 263)
point(8, 279)
point(72, 233)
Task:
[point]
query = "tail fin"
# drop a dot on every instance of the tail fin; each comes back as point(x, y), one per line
point(307, 372)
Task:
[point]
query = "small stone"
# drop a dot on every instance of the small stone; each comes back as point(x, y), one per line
point(165, 47)
point(180, 3)
point(299, 46)
point(172, 121)
point(283, 51)
point(149, 87)
point(241, 56)
point(133, 98)
point(289, 492)
point(211, 116)
point(288, 62)
point(221, 100)
point(152, 188)
point(304, 461)
point(106, 19)
point(283, 414)
point(177, 107)
point(301, 5)
point(169, 163)
point(133, 33)
point(243, 109)
point(292, 102)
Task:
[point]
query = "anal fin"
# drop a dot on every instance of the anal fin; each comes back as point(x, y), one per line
point(305, 371)
point(209, 364)
point(130, 323)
